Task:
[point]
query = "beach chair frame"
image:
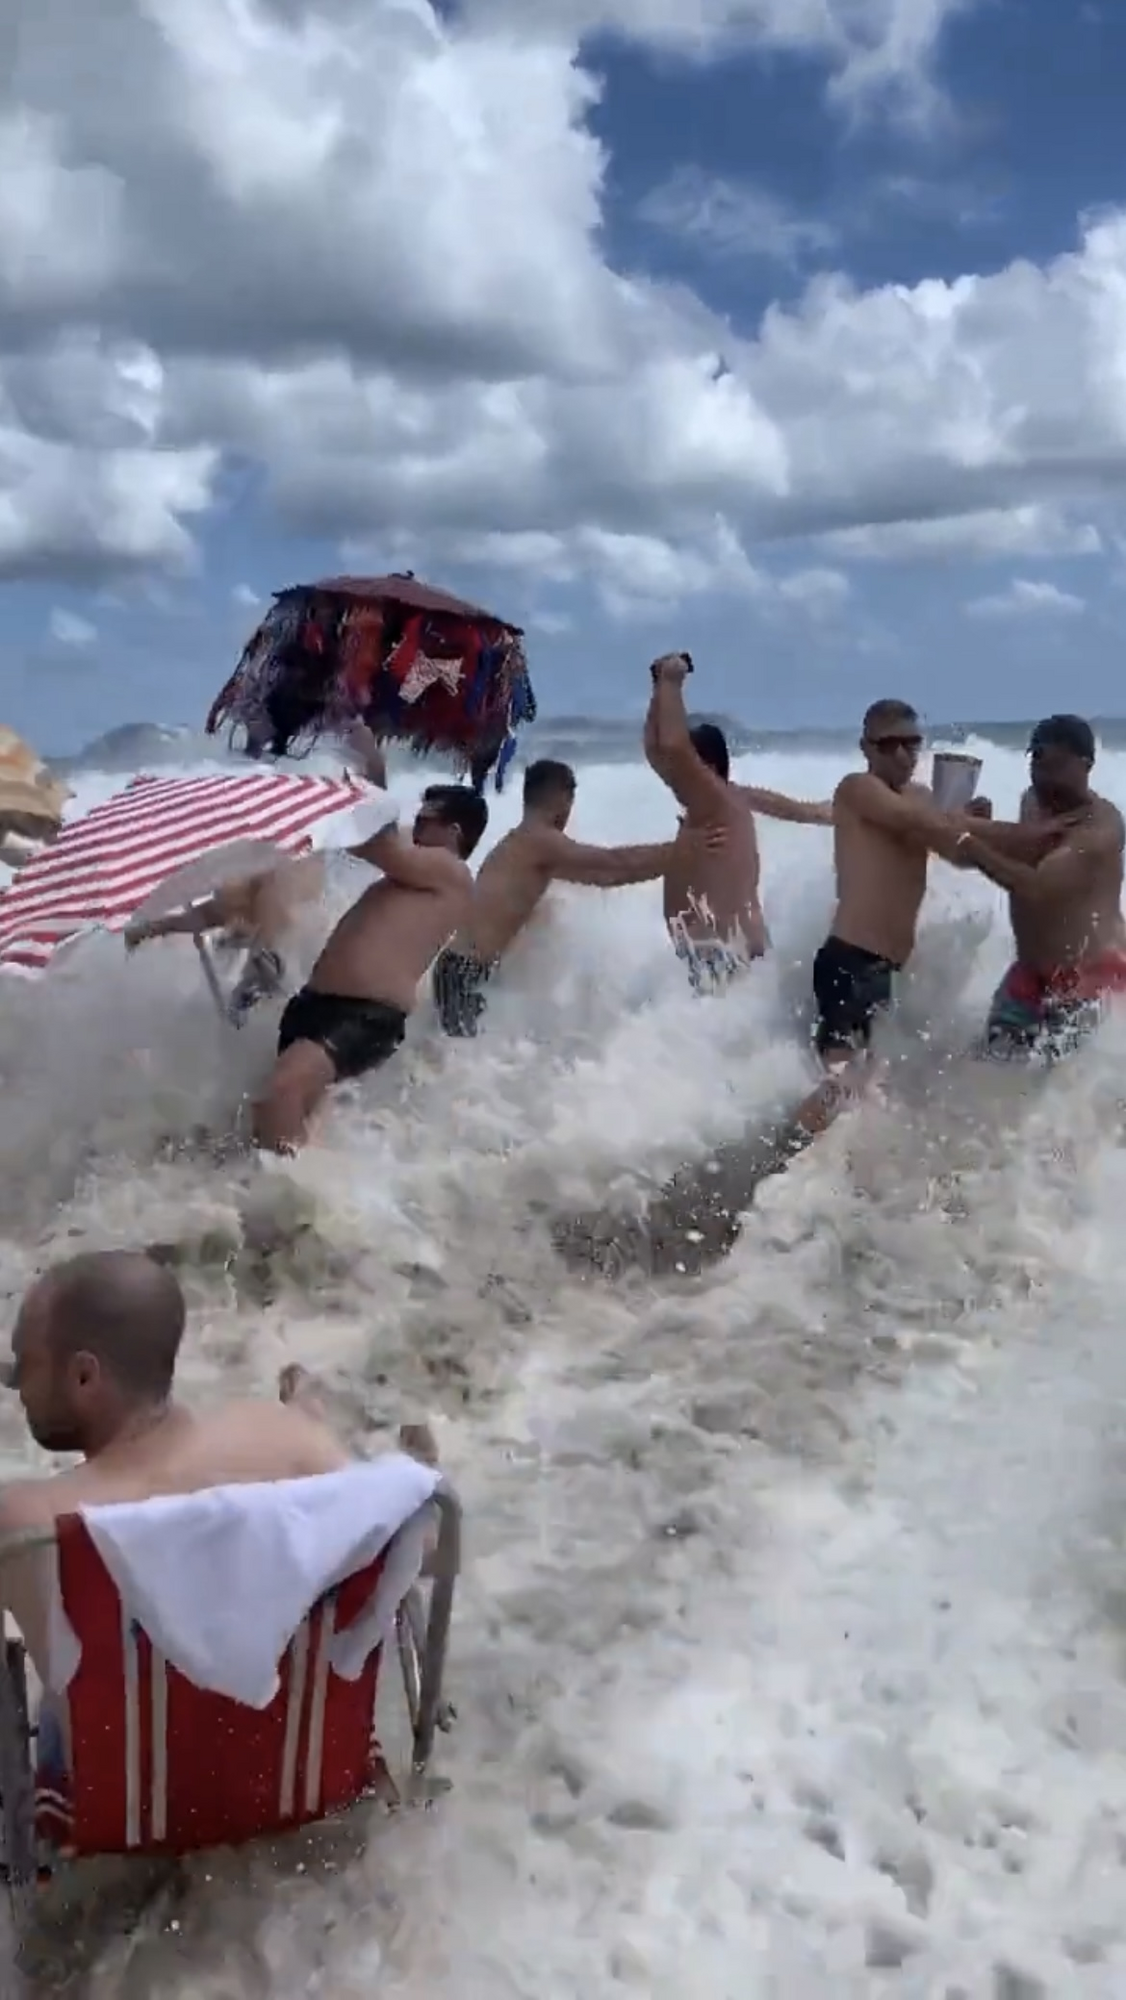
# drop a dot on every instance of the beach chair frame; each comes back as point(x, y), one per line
point(422, 1641)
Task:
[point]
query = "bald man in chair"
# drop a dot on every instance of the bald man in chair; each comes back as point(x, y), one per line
point(93, 1359)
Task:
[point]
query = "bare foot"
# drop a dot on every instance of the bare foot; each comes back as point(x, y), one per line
point(297, 1386)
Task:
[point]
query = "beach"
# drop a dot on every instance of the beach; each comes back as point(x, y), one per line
point(787, 1656)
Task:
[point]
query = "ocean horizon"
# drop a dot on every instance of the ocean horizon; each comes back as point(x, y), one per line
point(579, 739)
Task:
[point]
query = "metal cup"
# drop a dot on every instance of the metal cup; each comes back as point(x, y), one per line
point(954, 779)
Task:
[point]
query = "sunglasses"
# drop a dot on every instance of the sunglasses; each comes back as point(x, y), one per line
point(889, 743)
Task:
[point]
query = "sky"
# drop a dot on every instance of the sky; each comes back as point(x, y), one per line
point(789, 331)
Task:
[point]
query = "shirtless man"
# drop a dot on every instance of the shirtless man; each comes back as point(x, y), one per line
point(513, 881)
point(712, 905)
point(93, 1357)
point(352, 1014)
point(885, 828)
point(1065, 906)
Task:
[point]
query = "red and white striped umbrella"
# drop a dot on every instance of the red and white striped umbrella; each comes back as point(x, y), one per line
point(103, 867)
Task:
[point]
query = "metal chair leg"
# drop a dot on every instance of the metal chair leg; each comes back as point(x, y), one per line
point(17, 1786)
point(447, 1564)
point(17, 1814)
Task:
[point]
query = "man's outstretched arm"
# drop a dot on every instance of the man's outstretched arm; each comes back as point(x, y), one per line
point(779, 805)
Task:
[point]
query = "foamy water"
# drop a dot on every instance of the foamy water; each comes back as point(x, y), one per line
point(788, 1650)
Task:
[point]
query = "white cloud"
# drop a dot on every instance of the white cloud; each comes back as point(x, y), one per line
point(314, 250)
point(819, 592)
point(1034, 530)
point(68, 629)
point(734, 219)
point(246, 597)
point(1028, 598)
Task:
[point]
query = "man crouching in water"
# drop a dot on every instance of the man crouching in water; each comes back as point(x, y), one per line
point(1065, 907)
point(352, 1014)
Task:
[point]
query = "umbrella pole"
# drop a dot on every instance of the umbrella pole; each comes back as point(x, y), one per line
point(214, 985)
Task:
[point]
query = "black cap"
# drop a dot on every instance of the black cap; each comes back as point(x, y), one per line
point(1064, 732)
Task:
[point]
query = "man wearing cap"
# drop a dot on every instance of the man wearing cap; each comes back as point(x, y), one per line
point(1066, 908)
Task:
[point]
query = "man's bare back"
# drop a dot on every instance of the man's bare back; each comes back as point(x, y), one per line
point(712, 896)
point(513, 881)
point(712, 899)
point(187, 1451)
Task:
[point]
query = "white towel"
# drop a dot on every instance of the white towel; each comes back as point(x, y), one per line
point(221, 1580)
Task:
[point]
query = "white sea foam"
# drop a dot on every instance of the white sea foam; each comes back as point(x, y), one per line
point(788, 1650)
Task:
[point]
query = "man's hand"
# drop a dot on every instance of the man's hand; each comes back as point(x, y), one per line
point(673, 667)
point(708, 838)
point(980, 809)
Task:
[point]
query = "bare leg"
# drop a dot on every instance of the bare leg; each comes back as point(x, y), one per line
point(842, 1085)
point(302, 1076)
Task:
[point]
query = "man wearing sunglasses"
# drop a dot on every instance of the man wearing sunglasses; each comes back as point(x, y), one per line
point(885, 829)
point(1065, 905)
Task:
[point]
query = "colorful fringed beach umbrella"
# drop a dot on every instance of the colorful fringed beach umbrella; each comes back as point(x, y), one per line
point(416, 665)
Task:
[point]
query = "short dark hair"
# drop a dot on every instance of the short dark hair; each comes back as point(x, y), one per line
point(125, 1309)
point(1064, 732)
point(710, 745)
point(545, 779)
point(463, 808)
point(886, 714)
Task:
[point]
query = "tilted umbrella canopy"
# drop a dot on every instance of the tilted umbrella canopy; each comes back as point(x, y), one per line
point(32, 800)
point(409, 591)
point(104, 868)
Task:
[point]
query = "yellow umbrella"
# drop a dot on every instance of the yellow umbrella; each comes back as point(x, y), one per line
point(32, 800)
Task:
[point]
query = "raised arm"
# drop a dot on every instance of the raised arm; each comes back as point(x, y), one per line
point(779, 805)
point(371, 755)
point(668, 745)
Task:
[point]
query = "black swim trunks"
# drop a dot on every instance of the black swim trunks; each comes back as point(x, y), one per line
point(852, 987)
point(458, 981)
point(356, 1035)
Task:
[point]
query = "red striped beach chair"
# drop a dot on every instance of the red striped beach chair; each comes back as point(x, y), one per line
point(160, 1767)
